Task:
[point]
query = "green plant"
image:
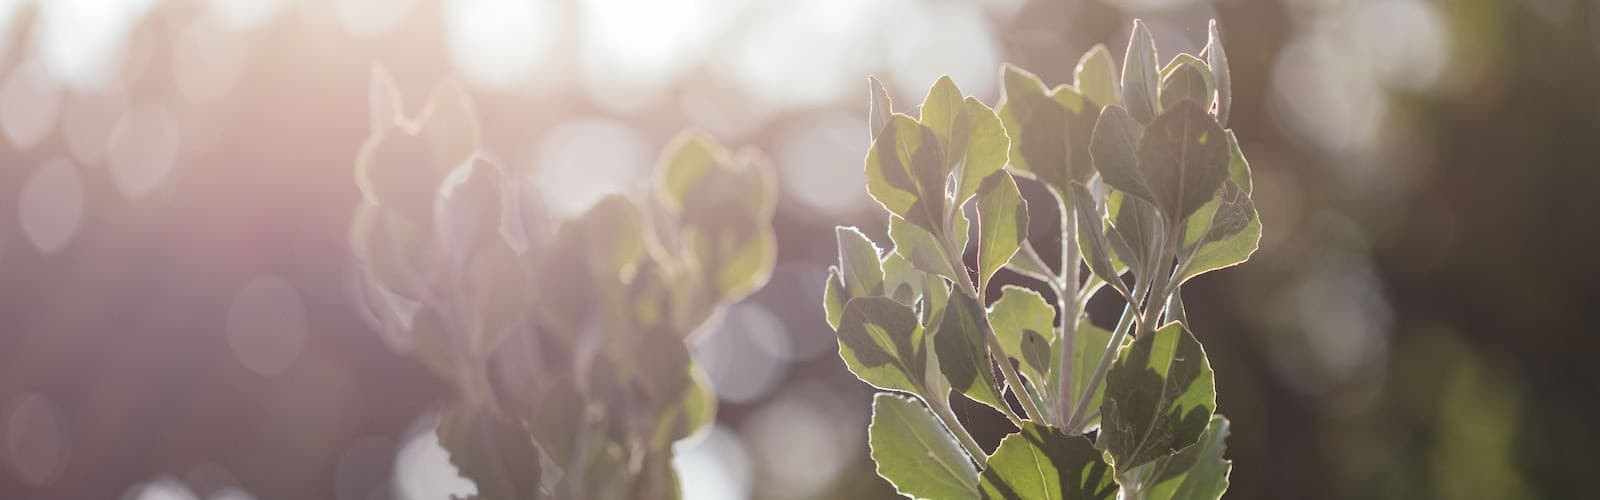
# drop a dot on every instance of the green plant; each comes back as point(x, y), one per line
point(1152, 191)
point(563, 340)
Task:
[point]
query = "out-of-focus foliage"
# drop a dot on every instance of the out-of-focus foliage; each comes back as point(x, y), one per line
point(564, 340)
point(1169, 185)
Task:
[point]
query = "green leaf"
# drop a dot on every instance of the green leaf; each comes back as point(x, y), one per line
point(1041, 463)
point(1135, 228)
point(1002, 225)
point(1159, 396)
point(689, 158)
point(906, 172)
point(1024, 323)
point(1186, 78)
point(902, 282)
point(1020, 93)
point(858, 262)
point(1232, 231)
point(612, 232)
point(963, 352)
point(692, 412)
point(499, 456)
point(1140, 79)
point(1198, 472)
point(945, 113)
point(1115, 149)
point(834, 297)
point(879, 108)
point(1184, 158)
point(1218, 61)
point(985, 153)
point(920, 247)
point(1092, 237)
point(1054, 140)
point(1096, 76)
point(882, 343)
point(915, 453)
point(1089, 342)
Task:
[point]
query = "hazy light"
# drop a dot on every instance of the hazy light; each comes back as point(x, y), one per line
point(142, 149)
point(244, 14)
point(818, 160)
point(1344, 322)
point(1404, 41)
point(499, 43)
point(267, 325)
point(207, 60)
point(37, 440)
point(1329, 100)
point(803, 440)
point(634, 48)
point(363, 469)
point(29, 104)
point(747, 356)
point(581, 161)
point(715, 467)
point(801, 54)
point(369, 18)
point(231, 493)
point(943, 39)
point(84, 42)
point(422, 470)
point(86, 123)
point(164, 488)
point(50, 207)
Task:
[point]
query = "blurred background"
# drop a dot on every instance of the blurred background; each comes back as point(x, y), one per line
point(176, 185)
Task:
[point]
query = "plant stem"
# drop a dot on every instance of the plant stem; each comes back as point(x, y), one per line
point(941, 408)
point(1124, 324)
point(1067, 302)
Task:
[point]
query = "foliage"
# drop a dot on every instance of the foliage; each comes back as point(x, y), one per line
point(1153, 190)
point(563, 340)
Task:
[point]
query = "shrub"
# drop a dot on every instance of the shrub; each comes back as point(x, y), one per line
point(1152, 190)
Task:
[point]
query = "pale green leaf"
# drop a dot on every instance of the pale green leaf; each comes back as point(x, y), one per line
point(858, 263)
point(1184, 158)
point(1198, 472)
point(1218, 61)
point(1020, 93)
point(1231, 232)
point(921, 248)
point(879, 107)
point(689, 158)
point(834, 297)
point(1159, 396)
point(882, 343)
point(915, 453)
point(1186, 77)
point(906, 172)
point(1002, 225)
point(1096, 76)
point(1041, 463)
point(1140, 76)
point(1115, 149)
point(1092, 237)
point(1024, 324)
point(985, 153)
point(944, 111)
point(962, 347)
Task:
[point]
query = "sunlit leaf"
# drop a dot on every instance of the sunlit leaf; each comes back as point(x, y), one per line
point(1092, 237)
point(882, 343)
point(1198, 472)
point(915, 453)
point(985, 152)
point(1096, 76)
point(1020, 93)
point(921, 248)
point(1140, 77)
point(1186, 78)
point(902, 282)
point(1088, 343)
point(694, 411)
point(1115, 149)
point(1024, 323)
point(1039, 462)
point(945, 113)
point(879, 107)
point(1232, 231)
point(834, 297)
point(963, 351)
point(687, 160)
point(1184, 158)
point(1002, 225)
point(1135, 228)
point(906, 174)
point(1159, 396)
point(1217, 59)
point(1054, 140)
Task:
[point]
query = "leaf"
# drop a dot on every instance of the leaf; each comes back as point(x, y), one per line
point(1184, 158)
point(834, 297)
point(882, 343)
point(985, 153)
point(915, 453)
point(1096, 76)
point(1024, 324)
point(945, 113)
point(1159, 396)
point(689, 158)
point(694, 411)
point(1140, 79)
point(1089, 343)
point(902, 282)
point(466, 213)
point(1135, 228)
point(1232, 233)
point(879, 107)
point(1041, 463)
point(1186, 78)
point(1198, 472)
point(906, 174)
point(497, 455)
point(963, 351)
point(920, 248)
point(1055, 139)
point(1218, 61)
point(858, 263)
point(1092, 237)
point(1115, 149)
point(1020, 93)
point(1002, 225)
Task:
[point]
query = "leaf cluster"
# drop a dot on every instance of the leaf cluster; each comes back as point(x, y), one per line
point(1152, 189)
point(562, 339)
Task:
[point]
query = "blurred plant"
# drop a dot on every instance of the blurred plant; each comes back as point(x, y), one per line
point(1147, 181)
point(563, 341)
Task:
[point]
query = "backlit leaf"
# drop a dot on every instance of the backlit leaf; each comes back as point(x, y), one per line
point(1140, 77)
point(1002, 225)
point(1186, 78)
point(1096, 76)
point(1115, 149)
point(881, 342)
point(915, 453)
point(1024, 323)
point(1217, 59)
point(906, 172)
point(1184, 158)
point(1198, 472)
point(985, 152)
point(962, 346)
point(1159, 396)
point(879, 107)
point(921, 248)
point(1041, 463)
